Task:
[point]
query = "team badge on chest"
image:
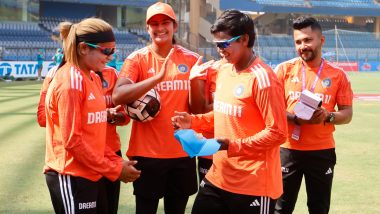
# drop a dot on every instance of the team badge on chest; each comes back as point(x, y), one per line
point(182, 68)
point(105, 84)
point(239, 90)
point(326, 83)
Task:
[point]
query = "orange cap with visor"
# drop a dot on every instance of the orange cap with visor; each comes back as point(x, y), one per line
point(160, 8)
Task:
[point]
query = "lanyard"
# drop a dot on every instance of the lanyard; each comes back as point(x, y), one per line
point(316, 78)
point(297, 129)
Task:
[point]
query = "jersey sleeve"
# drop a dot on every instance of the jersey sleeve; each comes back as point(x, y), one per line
point(344, 94)
point(203, 122)
point(41, 116)
point(130, 69)
point(279, 71)
point(266, 92)
point(70, 108)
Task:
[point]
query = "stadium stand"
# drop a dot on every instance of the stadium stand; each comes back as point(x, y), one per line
point(22, 40)
point(354, 46)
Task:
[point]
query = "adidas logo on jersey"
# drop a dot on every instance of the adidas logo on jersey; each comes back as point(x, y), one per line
point(151, 71)
point(255, 203)
point(329, 171)
point(294, 79)
point(91, 96)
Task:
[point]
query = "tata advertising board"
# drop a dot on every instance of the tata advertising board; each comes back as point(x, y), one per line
point(23, 69)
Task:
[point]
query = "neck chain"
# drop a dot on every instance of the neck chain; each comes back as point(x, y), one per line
point(249, 62)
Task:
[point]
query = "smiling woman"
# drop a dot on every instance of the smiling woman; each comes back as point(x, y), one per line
point(77, 156)
point(165, 67)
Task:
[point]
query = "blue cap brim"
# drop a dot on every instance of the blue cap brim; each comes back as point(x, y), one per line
point(194, 146)
point(210, 147)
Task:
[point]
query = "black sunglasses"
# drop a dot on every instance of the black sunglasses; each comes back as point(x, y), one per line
point(227, 43)
point(105, 51)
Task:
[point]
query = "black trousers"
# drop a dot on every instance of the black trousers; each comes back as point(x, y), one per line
point(318, 169)
point(112, 189)
point(71, 194)
point(204, 165)
point(211, 199)
point(175, 179)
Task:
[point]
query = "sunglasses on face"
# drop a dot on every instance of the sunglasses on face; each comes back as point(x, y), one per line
point(226, 44)
point(104, 50)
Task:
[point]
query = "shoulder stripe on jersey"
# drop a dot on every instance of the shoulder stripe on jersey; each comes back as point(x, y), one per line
point(334, 65)
point(140, 51)
point(261, 76)
point(52, 71)
point(112, 70)
point(115, 71)
point(186, 51)
point(290, 61)
point(76, 79)
point(66, 193)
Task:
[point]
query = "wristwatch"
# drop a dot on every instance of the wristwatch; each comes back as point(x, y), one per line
point(295, 121)
point(330, 118)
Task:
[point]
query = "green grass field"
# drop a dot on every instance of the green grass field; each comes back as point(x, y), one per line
point(23, 188)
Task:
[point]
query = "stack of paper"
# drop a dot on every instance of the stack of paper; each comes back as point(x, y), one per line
point(307, 105)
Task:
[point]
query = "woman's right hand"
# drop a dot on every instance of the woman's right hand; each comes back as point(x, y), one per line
point(199, 69)
point(129, 173)
point(160, 75)
point(181, 120)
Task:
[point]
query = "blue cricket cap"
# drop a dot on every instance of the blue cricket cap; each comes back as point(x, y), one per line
point(193, 145)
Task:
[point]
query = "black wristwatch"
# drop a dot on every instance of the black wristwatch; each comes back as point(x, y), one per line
point(330, 118)
point(295, 121)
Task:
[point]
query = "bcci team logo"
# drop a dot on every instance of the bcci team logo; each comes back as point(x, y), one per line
point(104, 84)
point(326, 83)
point(182, 68)
point(239, 90)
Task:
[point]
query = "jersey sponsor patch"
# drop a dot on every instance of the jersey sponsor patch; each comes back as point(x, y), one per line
point(182, 68)
point(175, 85)
point(228, 108)
point(96, 117)
point(326, 83)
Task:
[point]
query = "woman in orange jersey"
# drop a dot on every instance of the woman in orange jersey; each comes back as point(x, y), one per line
point(76, 121)
point(203, 85)
point(108, 77)
point(249, 123)
point(167, 171)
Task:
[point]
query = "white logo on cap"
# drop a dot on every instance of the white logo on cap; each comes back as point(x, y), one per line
point(159, 8)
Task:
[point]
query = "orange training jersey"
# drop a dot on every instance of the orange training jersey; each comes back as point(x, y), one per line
point(155, 138)
point(333, 87)
point(76, 127)
point(110, 77)
point(41, 116)
point(247, 111)
point(210, 88)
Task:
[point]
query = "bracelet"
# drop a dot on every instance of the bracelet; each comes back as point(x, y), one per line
point(112, 121)
point(295, 120)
